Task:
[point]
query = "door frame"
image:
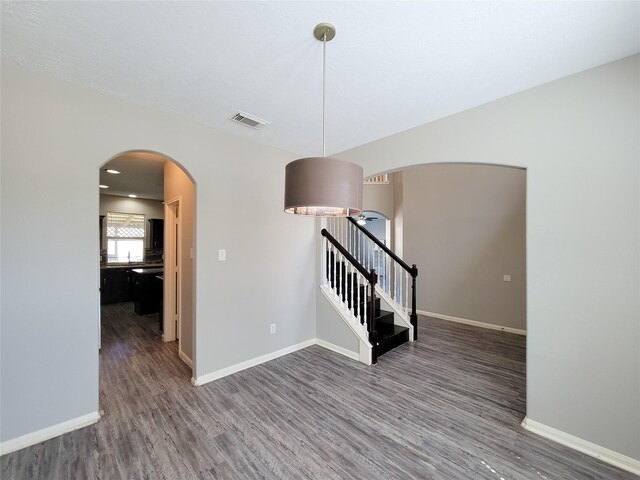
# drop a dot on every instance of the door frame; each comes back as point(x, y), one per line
point(172, 298)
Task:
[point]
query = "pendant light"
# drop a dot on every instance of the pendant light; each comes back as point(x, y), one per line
point(323, 186)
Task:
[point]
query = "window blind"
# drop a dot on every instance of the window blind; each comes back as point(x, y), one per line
point(125, 225)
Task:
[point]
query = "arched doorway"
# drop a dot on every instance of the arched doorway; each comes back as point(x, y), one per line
point(376, 223)
point(464, 225)
point(147, 280)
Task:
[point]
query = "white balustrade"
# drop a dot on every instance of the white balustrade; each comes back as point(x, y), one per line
point(344, 279)
point(393, 279)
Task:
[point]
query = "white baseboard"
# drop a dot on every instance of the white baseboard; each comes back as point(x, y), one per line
point(48, 433)
point(223, 372)
point(601, 453)
point(183, 356)
point(238, 367)
point(466, 321)
point(338, 349)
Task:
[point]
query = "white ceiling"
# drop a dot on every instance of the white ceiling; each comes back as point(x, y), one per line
point(391, 67)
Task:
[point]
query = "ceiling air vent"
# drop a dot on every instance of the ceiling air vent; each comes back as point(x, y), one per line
point(249, 120)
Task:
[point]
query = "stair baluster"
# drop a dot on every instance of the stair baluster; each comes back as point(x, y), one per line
point(396, 274)
point(373, 331)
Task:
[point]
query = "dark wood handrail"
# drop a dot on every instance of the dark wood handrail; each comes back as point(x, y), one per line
point(370, 276)
point(413, 271)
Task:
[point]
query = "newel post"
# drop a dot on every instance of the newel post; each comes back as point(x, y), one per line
point(373, 331)
point(414, 314)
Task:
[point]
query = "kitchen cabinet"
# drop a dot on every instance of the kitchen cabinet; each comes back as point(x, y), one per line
point(100, 231)
point(156, 233)
point(145, 291)
point(115, 285)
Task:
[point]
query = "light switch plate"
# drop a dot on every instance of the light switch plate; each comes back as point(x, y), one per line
point(506, 278)
point(222, 255)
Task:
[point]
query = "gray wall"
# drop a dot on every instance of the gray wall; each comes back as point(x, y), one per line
point(579, 138)
point(378, 198)
point(55, 136)
point(464, 226)
point(397, 225)
point(333, 328)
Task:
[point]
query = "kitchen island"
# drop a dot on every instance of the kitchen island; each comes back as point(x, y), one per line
point(116, 281)
point(145, 291)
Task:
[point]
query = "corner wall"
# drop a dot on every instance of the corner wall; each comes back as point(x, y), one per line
point(178, 184)
point(579, 139)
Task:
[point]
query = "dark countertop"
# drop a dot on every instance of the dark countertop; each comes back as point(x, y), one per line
point(132, 266)
point(147, 271)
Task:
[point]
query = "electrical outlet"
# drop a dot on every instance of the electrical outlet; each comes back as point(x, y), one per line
point(506, 278)
point(273, 328)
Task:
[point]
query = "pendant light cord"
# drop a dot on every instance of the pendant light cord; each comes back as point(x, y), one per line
point(324, 87)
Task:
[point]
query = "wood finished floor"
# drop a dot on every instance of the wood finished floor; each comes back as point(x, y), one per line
point(446, 407)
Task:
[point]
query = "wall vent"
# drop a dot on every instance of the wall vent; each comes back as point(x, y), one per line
point(249, 120)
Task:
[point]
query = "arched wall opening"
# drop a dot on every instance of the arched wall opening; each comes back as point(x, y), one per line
point(161, 284)
point(464, 226)
point(377, 223)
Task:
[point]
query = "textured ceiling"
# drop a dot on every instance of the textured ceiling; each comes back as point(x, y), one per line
point(392, 65)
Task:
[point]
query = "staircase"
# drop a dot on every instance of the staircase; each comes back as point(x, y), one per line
point(358, 283)
point(390, 335)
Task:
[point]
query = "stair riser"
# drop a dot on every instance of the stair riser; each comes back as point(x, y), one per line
point(393, 342)
point(386, 318)
point(363, 308)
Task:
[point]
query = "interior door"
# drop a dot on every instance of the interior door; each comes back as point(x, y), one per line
point(172, 272)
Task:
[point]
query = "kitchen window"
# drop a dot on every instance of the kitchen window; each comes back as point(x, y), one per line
point(125, 237)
